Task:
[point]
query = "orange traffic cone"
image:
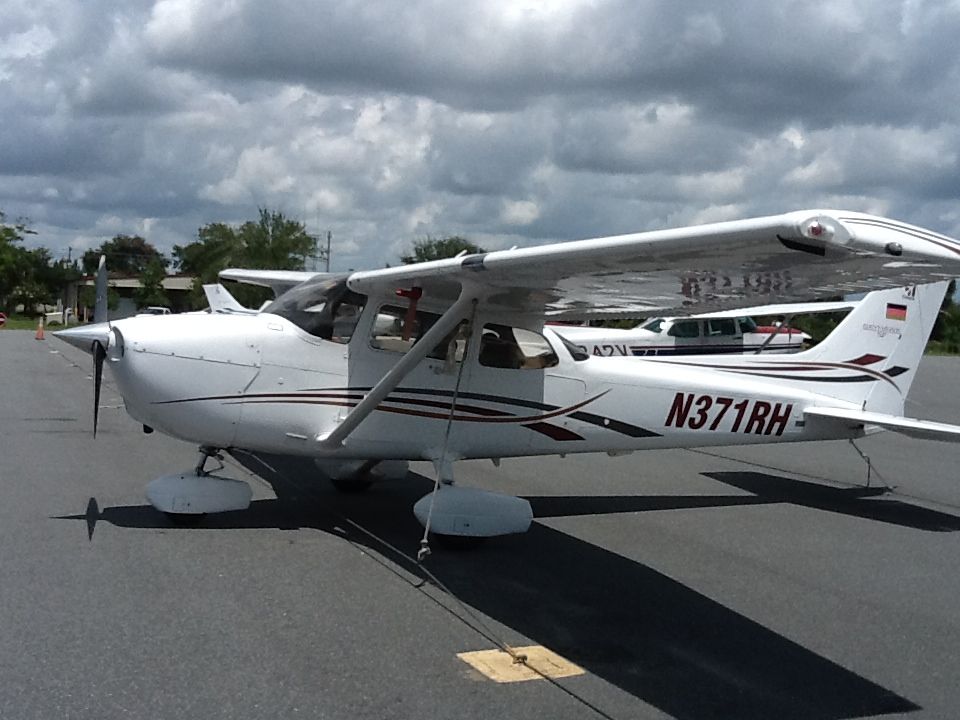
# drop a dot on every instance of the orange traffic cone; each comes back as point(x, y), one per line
point(39, 335)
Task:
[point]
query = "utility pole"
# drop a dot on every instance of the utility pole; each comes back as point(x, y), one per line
point(320, 253)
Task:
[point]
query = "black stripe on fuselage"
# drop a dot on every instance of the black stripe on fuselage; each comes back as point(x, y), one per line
point(356, 393)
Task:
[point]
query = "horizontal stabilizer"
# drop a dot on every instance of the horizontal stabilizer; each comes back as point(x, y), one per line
point(923, 429)
point(277, 280)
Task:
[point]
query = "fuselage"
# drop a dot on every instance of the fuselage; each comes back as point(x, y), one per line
point(261, 382)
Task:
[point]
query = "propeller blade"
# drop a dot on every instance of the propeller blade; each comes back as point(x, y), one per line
point(100, 306)
point(98, 356)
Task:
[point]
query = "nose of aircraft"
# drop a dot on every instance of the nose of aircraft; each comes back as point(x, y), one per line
point(182, 374)
point(94, 339)
point(84, 336)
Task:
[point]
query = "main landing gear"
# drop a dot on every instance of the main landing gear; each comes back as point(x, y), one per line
point(459, 516)
point(457, 513)
point(186, 497)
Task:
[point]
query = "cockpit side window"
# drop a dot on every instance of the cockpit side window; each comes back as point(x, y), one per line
point(721, 326)
point(577, 352)
point(502, 346)
point(324, 307)
point(684, 329)
point(394, 329)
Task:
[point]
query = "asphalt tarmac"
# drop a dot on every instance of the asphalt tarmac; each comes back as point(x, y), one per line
point(725, 583)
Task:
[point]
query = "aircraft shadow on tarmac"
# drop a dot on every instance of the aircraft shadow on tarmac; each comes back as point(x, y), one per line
point(765, 489)
point(649, 635)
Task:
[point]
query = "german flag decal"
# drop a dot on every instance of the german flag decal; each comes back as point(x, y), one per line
point(896, 312)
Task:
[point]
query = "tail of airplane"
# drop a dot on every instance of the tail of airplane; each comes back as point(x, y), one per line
point(220, 300)
point(871, 357)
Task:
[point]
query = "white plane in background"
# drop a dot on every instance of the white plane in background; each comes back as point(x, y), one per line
point(465, 368)
point(732, 331)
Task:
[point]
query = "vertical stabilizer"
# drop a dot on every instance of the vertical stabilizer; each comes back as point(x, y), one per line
point(883, 338)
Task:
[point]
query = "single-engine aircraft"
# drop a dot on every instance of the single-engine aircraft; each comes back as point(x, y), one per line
point(451, 359)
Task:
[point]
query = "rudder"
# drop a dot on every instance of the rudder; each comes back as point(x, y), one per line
point(884, 337)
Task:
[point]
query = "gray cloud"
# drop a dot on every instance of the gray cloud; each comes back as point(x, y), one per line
point(508, 122)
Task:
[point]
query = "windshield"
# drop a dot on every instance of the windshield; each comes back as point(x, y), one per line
point(654, 325)
point(325, 307)
point(576, 352)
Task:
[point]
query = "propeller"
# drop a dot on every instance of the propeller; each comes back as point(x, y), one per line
point(100, 305)
point(99, 354)
point(94, 338)
point(99, 351)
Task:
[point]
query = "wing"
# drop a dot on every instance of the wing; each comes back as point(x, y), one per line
point(796, 256)
point(277, 280)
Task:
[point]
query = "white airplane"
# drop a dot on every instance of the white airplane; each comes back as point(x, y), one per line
point(732, 331)
point(465, 368)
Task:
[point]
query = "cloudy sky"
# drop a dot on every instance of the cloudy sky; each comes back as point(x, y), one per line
point(512, 123)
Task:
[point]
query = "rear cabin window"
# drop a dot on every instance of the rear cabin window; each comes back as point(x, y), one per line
point(395, 330)
point(502, 346)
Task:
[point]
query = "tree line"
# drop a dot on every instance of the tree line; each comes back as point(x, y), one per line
point(32, 277)
point(28, 277)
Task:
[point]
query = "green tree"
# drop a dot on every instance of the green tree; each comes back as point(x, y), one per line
point(26, 276)
point(275, 242)
point(12, 260)
point(272, 242)
point(151, 290)
point(33, 290)
point(87, 298)
point(29, 277)
point(429, 248)
point(126, 255)
point(218, 247)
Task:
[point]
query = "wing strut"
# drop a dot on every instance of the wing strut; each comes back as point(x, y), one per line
point(783, 323)
point(454, 314)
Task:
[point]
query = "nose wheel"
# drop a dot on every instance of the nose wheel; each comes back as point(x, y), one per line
point(207, 452)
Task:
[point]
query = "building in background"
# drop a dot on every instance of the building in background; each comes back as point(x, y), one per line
point(176, 287)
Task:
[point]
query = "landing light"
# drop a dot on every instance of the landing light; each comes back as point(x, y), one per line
point(818, 230)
